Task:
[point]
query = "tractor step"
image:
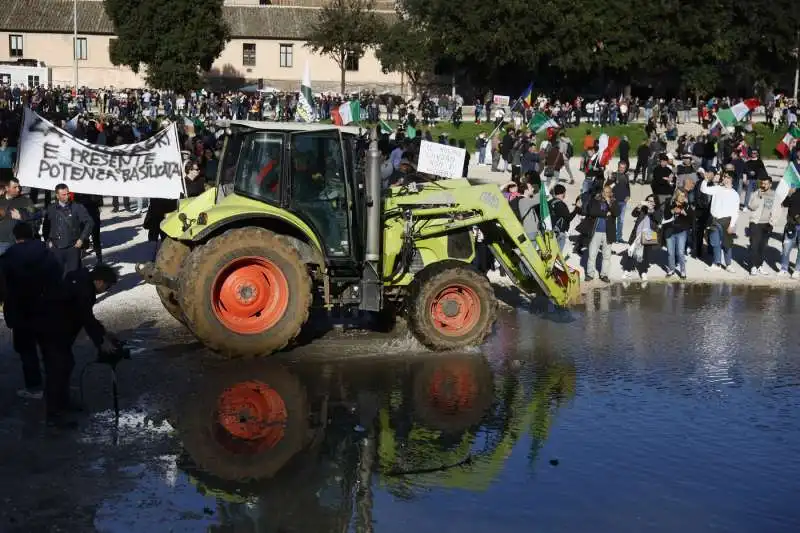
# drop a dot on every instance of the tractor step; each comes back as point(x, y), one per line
point(153, 276)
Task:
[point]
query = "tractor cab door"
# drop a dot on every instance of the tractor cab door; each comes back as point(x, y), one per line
point(319, 192)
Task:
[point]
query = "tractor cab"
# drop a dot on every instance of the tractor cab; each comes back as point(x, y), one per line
point(310, 171)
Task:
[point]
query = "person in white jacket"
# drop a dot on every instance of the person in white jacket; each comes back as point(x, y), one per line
point(724, 212)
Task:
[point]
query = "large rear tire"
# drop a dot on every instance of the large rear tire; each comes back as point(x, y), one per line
point(451, 308)
point(245, 293)
point(245, 425)
point(169, 260)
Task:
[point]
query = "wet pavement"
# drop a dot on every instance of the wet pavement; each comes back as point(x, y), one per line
point(659, 409)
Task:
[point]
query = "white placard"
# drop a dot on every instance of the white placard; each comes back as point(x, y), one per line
point(501, 100)
point(441, 160)
point(49, 155)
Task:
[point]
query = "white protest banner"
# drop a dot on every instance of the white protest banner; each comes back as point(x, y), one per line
point(441, 160)
point(49, 155)
point(501, 100)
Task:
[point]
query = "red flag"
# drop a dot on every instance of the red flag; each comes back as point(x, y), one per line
point(752, 103)
point(613, 144)
point(336, 117)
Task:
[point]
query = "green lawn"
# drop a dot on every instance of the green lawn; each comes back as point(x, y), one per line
point(762, 136)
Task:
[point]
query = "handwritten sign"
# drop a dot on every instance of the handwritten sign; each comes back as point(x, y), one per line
point(501, 100)
point(441, 160)
point(49, 155)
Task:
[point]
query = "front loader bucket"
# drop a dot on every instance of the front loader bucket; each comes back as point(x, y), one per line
point(562, 282)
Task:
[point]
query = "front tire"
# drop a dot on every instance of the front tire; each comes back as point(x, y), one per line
point(169, 260)
point(245, 293)
point(452, 308)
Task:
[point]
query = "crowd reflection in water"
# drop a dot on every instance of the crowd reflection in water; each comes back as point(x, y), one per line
point(304, 447)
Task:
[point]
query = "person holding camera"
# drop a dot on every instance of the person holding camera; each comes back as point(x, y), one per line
point(677, 225)
point(791, 234)
point(603, 212)
point(761, 224)
point(724, 212)
point(644, 238)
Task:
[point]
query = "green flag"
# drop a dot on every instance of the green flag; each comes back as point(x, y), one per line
point(411, 132)
point(385, 127)
point(544, 210)
point(540, 122)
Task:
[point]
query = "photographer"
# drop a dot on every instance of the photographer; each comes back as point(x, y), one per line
point(644, 238)
point(791, 233)
point(677, 225)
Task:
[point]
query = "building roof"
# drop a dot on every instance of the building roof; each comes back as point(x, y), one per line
point(55, 16)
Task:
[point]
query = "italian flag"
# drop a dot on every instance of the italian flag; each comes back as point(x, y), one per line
point(544, 211)
point(540, 122)
point(742, 109)
point(606, 146)
point(305, 105)
point(786, 144)
point(346, 113)
point(791, 180)
point(727, 119)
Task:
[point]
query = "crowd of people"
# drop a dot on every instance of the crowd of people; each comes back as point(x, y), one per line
point(694, 199)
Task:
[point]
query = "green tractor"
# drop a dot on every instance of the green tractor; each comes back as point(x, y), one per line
point(298, 220)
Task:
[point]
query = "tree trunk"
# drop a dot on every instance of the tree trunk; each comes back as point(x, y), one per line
point(343, 70)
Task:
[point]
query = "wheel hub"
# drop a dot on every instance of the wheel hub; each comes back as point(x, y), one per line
point(451, 308)
point(252, 416)
point(455, 310)
point(250, 295)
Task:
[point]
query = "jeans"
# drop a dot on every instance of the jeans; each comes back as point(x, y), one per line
point(599, 242)
point(749, 188)
point(676, 251)
point(620, 219)
point(789, 244)
point(561, 238)
point(26, 345)
point(141, 203)
point(759, 237)
point(482, 156)
point(4, 246)
point(715, 237)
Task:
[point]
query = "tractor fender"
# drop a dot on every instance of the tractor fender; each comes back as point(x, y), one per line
point(295, 232)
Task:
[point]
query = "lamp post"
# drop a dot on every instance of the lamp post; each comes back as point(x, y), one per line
point(75, 45)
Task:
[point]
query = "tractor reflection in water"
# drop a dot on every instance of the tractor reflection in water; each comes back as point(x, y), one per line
point(298, 450)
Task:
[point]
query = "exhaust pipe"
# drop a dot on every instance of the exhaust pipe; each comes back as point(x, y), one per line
point(373, 179)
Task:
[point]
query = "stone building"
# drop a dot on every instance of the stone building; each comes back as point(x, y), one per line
point(267, 44)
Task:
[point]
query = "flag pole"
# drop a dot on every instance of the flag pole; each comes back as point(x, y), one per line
point(511, 110)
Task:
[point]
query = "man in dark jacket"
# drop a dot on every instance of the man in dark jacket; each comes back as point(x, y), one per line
point(14, 207)
point(66, 228)
point(560, 215)
point(603, 213)
point(642, 158)
point(663, 183)
point(754, 170)
point(622, 193)
point(31, 276)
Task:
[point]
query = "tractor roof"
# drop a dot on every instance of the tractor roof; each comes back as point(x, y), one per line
point(296, 126)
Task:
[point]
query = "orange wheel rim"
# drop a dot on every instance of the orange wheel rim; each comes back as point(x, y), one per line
point(251, 417)
point(455, 310)
point(250, 295)
point(453, 388)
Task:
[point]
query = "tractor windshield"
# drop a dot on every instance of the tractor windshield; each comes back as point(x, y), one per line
point(257, 171)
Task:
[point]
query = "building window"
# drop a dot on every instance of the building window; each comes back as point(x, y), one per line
point(33, 81)
point(249, 54)
point(15, 45)
point(351, 62)
point(287, 55)
point(81, 48)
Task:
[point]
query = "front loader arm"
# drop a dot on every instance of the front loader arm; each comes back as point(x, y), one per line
point(529, 263)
